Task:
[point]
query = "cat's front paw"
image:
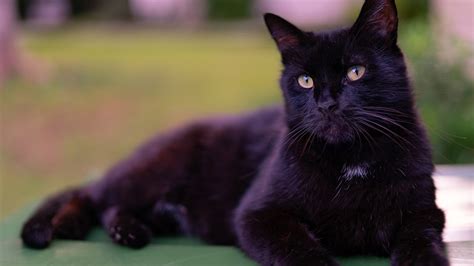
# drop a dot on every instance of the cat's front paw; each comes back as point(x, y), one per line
point(130, 232)
point(37, 234)
point(428, 257)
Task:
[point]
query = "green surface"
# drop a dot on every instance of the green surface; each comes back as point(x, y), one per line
point(98, 250)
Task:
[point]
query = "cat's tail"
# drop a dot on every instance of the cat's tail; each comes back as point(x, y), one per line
point(67, 215)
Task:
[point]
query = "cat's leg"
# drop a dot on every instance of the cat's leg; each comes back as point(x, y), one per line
point(272, 236)
point(67, 215)
point(74, 219)
point(419, 241)
point(168, 219)
point(125, 229)
point(37, 232)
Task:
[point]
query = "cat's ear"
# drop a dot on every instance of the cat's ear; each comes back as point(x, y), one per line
point(378, 18)
point(285, 34)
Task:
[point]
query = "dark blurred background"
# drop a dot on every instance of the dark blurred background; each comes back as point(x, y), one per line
point(84, 82)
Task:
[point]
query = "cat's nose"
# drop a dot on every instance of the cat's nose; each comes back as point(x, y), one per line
point(327, 106)
point(325, 99)
point(325, 102)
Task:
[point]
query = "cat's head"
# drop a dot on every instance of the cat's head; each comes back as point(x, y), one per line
point(339, 84)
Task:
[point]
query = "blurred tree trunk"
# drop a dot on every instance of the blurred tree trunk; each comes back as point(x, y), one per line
point(9, 57)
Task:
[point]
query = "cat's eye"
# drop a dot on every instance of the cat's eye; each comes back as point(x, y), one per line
point(355, 72)
point(306, 81)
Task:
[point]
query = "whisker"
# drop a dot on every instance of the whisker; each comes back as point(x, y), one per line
point(369, 138)
point(381, 129)
point(445, 136)
point(294, 135)
point(389, 120)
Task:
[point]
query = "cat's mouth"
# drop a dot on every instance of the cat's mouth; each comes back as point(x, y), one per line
point(334, 129)
point(335, 133)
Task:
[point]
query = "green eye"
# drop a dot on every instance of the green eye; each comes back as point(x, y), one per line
point(355, 72)
point(306, 81)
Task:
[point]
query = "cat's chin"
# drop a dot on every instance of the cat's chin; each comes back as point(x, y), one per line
point(333, 134)
point(337, 139)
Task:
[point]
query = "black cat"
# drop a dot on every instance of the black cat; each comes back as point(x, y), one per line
point(343, 169)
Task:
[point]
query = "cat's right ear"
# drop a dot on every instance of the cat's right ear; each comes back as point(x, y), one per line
point(379, 19)
point(285, 34)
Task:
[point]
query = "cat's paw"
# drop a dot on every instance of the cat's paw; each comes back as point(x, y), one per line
point(37, 234)
point(429, 257)
point(130, 232)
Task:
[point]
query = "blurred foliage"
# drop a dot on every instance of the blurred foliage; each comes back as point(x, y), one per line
point(445, 94)
point(412, 9)
point(229, 9)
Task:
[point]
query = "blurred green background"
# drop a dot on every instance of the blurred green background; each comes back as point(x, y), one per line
point(101, 83)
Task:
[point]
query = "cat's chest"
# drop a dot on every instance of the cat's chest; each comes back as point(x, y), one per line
point(352, 188)
point(355, 214)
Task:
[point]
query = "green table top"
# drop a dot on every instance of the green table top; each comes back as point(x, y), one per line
point(99, 250)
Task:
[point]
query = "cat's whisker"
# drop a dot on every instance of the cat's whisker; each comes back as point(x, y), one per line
point(452, 141)
point(308, 141)
point(384, 127)
point(391, 121)
point(388, 109)
point(295, 135)
point(381, 112)
point(383, 117)
point(444, 138)
point(384, 133)
point(393, 116)
point(367, 137)
point(356, 131)
point(387, 132)
point(359, 132)
point(291, 138)
point(299, 131)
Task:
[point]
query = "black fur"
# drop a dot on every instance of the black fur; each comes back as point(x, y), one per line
point(343, 169)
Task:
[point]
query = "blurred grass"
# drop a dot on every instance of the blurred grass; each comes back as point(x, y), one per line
point(112, 87)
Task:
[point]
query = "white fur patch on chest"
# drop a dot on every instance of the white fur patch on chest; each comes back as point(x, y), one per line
point(352, 171)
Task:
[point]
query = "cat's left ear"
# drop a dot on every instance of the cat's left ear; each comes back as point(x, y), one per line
point(378, 18)
point(285, 34)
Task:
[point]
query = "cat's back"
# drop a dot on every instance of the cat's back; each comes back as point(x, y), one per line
point(239, 141)
point(216, 156)
point(229, 153)
point(229, 150)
